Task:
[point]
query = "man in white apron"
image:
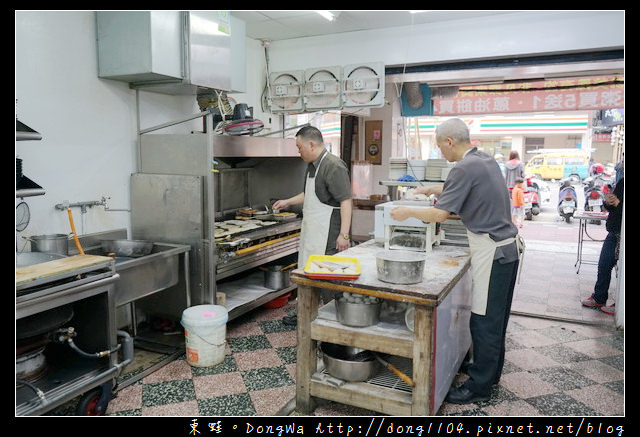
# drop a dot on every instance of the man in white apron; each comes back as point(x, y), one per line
point(475, 190)
point(326, 201)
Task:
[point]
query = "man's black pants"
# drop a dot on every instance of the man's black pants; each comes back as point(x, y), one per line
point(488, 332)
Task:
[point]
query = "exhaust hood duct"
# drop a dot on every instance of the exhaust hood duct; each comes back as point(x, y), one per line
point(414, 95)
point(169, 52)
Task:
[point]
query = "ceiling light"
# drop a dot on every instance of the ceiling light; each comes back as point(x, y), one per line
point(327, 14)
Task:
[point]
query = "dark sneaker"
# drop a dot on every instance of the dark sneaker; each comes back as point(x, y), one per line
point(590, 302)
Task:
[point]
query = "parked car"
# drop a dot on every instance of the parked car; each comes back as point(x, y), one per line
point(559, 165)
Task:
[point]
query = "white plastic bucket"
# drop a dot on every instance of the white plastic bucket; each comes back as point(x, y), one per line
point(204, 333)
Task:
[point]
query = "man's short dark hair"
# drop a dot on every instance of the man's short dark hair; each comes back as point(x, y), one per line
point(310, 133)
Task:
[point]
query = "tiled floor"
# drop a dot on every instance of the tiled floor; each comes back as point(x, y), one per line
point(562, 359)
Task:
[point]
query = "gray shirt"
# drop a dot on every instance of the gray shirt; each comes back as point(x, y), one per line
point(332, 180)
point(476, 191)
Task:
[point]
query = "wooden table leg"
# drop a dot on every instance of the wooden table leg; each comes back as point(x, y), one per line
point(306, 362)
point(422, 360)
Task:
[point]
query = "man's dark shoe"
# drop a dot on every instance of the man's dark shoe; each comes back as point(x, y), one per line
point(290, 320)
point(463, 395)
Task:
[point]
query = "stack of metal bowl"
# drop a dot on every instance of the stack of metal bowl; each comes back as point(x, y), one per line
point(357, 310)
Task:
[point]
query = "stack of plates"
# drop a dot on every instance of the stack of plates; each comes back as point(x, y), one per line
point(397, 167)
point(417, 168)
point(434, 169)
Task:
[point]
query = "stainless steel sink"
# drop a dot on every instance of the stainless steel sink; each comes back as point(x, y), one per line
point(147, 274)
point(143, 275)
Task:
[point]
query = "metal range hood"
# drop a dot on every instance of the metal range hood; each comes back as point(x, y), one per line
point(24, 132)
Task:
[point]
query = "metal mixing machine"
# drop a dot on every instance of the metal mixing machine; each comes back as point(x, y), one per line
point(411, 234)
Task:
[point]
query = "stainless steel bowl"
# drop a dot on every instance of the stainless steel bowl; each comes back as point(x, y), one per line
point(357, 314)
point(400, 266)
point(349, 363)
point(128, 248)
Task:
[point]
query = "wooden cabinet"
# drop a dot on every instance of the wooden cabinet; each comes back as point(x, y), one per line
point(436, 347)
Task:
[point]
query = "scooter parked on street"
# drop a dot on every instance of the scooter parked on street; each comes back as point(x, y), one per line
point(531, 199)
point(595, 188)
point(567, 200)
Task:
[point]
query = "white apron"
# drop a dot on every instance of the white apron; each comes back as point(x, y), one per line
point(482, 249)
point(316, 218)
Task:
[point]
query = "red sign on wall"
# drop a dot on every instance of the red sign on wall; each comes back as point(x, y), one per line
point(556, 95)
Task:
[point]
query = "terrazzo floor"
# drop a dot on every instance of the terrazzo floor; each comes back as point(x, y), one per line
point(562, 359)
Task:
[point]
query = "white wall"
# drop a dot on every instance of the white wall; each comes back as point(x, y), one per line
point(88, 125)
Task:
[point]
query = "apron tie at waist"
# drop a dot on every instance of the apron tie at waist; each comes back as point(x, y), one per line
point(483, 249)
point(521, 248)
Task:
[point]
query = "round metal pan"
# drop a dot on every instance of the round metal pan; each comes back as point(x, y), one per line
point(128, 248)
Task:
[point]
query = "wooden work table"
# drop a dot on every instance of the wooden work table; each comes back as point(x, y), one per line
point(435, 349)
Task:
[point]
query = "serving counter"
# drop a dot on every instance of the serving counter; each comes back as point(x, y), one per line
point(435, 348)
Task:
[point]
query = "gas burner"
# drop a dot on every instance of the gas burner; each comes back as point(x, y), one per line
point(31, 365)
point(33, 334)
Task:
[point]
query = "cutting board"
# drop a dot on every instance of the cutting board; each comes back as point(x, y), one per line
point(58, 266)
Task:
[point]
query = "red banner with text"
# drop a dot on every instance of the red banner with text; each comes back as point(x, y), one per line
point(550, 95)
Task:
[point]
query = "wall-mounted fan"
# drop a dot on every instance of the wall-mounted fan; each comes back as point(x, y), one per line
point(363, 85)
point(285, 91)
point(322, 88)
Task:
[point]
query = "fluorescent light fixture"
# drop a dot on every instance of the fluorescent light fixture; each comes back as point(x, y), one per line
point(327, 15)
point(417, 12)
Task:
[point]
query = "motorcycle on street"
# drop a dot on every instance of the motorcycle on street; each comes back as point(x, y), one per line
point(595, 187)
point(531, 199)
point(567, 200)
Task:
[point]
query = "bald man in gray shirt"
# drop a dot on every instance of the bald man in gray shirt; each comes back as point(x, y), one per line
point(475, 190)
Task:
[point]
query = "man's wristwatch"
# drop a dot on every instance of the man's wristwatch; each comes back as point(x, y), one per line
point(345, 236)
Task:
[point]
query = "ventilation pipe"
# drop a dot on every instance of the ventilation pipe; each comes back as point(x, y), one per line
point(414, 95)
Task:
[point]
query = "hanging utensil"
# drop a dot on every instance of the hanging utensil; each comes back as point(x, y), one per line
point(22, 216)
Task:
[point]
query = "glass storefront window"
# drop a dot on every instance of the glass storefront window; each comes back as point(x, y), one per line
point(328, 122)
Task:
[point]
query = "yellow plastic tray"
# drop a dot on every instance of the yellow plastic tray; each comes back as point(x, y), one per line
point(312, 270)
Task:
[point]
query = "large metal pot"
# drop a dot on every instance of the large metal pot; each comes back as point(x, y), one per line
point(51, 243)
point(348, 362)
point(400, 266)
point(363, 312)
point(276, 277)
point(127, 248)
